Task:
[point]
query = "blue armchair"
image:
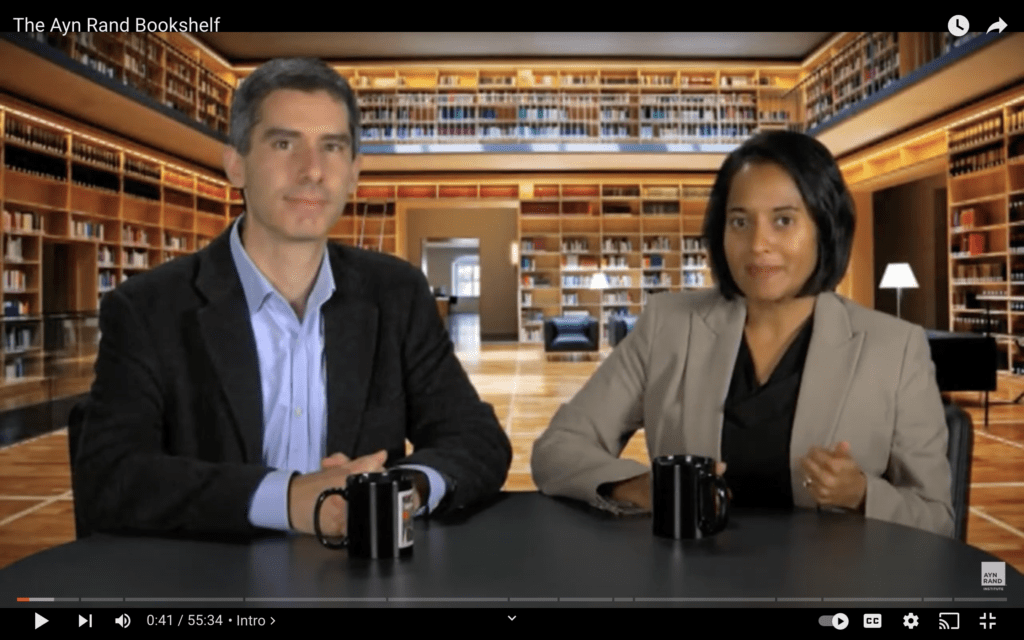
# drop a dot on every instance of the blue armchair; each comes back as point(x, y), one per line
point(619, 327)
point(570, 334)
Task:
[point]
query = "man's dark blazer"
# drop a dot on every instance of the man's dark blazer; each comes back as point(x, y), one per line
point(172, 441)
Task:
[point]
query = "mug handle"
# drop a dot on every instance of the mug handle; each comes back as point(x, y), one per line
point(722, 513)
point(316, 518)
point(722, 516)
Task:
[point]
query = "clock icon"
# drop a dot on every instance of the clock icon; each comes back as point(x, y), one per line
point(959, 25)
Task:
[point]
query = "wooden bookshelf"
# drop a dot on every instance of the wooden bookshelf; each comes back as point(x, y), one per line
point(986, 231)
point(579, 101)
point(643, 236)
point(571, 102)
point(857, 66)
point(168, 68)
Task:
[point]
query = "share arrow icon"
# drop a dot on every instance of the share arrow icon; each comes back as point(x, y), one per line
point(997, 25)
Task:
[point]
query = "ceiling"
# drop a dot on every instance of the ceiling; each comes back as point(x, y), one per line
point(255, 48)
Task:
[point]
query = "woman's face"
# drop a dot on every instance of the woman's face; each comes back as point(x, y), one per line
point(771, 241)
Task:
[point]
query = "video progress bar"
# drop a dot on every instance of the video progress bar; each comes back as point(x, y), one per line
point(514, 600)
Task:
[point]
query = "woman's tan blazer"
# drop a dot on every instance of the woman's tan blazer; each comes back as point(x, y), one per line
point(868, 379)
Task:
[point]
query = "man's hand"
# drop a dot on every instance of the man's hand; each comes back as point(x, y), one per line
point(834, 478)
point(305, 489)
point(421, 483)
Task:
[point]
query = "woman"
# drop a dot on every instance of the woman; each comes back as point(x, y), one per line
point(806, 397)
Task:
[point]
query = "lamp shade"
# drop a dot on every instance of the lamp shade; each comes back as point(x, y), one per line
point(898, 275)
point(599, 281)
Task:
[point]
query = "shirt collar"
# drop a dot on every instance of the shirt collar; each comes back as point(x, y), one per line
point(258, 289)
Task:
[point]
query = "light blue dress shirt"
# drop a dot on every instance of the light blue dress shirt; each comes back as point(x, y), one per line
point(293, 379)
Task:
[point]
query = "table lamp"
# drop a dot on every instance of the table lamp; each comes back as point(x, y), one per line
point(898, 276)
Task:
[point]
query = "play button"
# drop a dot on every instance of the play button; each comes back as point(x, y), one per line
point(40, 621)
point(840, 621)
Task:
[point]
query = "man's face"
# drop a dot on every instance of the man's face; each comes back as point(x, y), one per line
point(299, 171)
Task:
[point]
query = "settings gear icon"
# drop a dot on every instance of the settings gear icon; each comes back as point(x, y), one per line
point(910, 621)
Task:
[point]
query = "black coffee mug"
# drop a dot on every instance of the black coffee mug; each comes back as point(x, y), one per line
point(683, 493)
point(380, 517)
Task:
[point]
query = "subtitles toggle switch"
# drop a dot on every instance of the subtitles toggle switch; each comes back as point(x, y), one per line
point(872, 621)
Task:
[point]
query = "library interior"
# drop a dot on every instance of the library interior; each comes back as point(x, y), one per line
point(547, 186)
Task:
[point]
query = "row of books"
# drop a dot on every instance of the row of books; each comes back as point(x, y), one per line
point(658, 244)
point(16, 308)
point(133, 235)
point(108, 280)
point(87, 230)
point(22, 220)
point(966, 218)
point(695, 279)
point(661, 207)
point(17, 339)
point(135, 258)
point(575, 245)
point(577, 261)
point(994, 272)
point(580, 282)
point(15, 369)
point(617, 245)
point(14, 280)
point(979, 324)
point(530, 281)
point(531, 334)
point(659, 280)
point(176, 242)
point(611, 314)
point(617, 297)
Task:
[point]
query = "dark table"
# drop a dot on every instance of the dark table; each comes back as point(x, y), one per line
point(529, 550)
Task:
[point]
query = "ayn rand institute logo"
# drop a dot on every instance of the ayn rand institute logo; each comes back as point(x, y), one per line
point(993, 576)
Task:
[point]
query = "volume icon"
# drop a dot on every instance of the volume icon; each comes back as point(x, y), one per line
point(123, 621)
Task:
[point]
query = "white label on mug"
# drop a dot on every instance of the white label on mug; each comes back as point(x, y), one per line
point(404, 519)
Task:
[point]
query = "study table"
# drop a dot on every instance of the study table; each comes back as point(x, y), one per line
point(530, 550)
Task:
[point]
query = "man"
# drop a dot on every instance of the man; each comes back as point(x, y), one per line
point(234, 385)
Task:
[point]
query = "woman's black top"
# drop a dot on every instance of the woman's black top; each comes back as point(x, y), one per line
point(757, 426)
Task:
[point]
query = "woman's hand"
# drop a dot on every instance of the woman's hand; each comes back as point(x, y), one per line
point(638, 490)
point(834, 478)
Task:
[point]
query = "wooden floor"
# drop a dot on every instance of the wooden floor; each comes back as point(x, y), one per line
point(525, 390)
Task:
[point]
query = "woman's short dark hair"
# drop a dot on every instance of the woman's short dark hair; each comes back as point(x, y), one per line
point(822, 187)
point(302, 74)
